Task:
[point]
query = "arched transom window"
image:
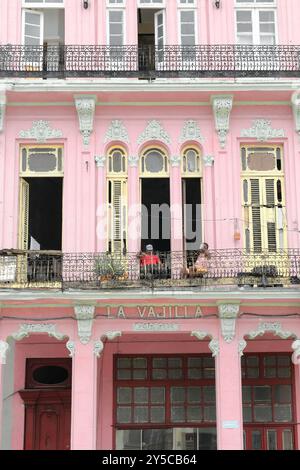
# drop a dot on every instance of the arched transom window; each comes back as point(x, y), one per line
point(117, 161)
point(191, 164)
point(154, 163)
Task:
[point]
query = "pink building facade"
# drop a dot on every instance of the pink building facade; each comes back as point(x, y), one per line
point(127, 123)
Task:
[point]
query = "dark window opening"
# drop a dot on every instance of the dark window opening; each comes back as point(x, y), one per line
point(192, 217)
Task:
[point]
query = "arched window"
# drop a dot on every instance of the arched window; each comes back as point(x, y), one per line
point(117, 161)
point(154, 163)
point(191, 164)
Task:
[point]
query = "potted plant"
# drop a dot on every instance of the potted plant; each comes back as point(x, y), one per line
point(109, 267)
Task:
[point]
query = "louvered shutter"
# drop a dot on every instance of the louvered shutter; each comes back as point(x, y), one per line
point(24, 215)
point(270, 214)
point(256, 215)
point(117, 215)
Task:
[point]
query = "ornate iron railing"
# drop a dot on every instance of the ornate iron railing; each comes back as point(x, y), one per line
point(175, 270)
point(149, 61)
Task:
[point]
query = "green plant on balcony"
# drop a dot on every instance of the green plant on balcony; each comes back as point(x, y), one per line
point(109, 267)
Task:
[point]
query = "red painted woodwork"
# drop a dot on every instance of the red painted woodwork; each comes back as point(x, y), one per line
point(47, 419)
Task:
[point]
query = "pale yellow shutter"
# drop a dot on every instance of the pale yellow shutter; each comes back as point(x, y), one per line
point(24, 215)
point(256, 215)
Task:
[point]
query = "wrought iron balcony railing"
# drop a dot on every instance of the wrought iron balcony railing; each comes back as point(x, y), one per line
point(149, 61)
point(175, 270)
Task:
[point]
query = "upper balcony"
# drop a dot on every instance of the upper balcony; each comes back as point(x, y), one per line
point(149, 62)
point(224, 270)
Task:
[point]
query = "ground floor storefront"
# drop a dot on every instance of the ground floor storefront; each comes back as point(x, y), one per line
point(150, 374)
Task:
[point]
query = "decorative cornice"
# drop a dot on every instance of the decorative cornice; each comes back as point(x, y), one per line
point(99, 345)
point(228, 314)
point(100, 161)
point(222, 106)
point(191, 131)
point(274, 328)
point(175, 160)
point(296, 353)
point(133, 161)
point(214, 347)
point(85, 106)
point(26, 329)
point(4, 347)
point(70, 345)
point(296, 110)
point(208, 160)
point(116, 131)
point(41, 132)
point(85, 316)
point(2, 110)
point(262, 130)
point(241, 346)
point(154, 131)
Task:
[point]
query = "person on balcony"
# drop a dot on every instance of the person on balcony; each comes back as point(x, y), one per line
point(149, 262)
point(200, 267)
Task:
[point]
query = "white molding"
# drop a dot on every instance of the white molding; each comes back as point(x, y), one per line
point(208, 160)
point(133, 161)
point(116, 132)
point(296, 353)
point(98, 347)
point(100, 161)
point(296, 110)
point(175, 160)
point(110, 336)
point(70, 345)
point(191, 131)
point(41, 132)
point(214, 347)
point(2, 110)
point(26, 329)
point(222, 106)
point(200, 334)
point(85, 316)
point(268, 327)
point(241, 346)
point(154, 131)
point(85, 106)
point(4, 347)
point(228, 314)
point(262, 131)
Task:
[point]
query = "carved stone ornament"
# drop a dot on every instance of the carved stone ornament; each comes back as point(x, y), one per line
point(85, 106)
point(133, 161)
point(71, 348)
point(4, 347)
point(296, 353)
point(98, 348)
point(85, 316)
point(100, 161)
point(241, 346)
point(154, 131)
point(41, 132)
point(214, 347)
point(208, 160)
point(26, 329)
point(2, 110)
point(262, 131)
point(222, 106)
point(99, 345)
point(116, 131)
point(267, 327)
point(228, 314)
point(200, 334)
point(191, 131)
point(175, 160)
point(296, 110)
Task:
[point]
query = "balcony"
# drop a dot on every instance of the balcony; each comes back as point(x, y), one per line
point(226, 269)
point(149, 62)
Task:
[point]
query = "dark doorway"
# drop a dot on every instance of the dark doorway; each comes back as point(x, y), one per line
point(156, 220)
point(45, 214)
point(192, 223)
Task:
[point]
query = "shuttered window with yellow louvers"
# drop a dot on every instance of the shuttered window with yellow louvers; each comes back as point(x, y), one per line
point(263, 198)
point(117, 200)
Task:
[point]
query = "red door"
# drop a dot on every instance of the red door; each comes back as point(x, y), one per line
point(47, 419)
point(268, 438)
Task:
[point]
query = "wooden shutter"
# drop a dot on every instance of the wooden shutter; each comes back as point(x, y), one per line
point(24, 215)
point(118, 215)
point(256, 215)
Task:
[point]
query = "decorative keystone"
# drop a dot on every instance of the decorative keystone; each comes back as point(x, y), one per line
point(85, 317)
point(222, 106)
point(228, 314)
point(85, 106)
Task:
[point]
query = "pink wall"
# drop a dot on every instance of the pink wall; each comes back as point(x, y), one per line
point(84, 189)
point(215, 26)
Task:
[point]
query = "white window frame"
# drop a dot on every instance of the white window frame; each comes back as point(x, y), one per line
point(108, 25)
point(255, 8)
point(24, 11)
point(152, 5)
point(179, 24)
point(115, 5)
point(187, 5)
point(42, 4)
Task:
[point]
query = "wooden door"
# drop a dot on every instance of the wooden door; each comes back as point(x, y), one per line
point(47, 419)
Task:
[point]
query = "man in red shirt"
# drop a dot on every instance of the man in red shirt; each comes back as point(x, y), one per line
point(149, 262)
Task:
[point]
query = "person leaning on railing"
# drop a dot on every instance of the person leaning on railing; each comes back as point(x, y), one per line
point(200, 267)
point(149, 262)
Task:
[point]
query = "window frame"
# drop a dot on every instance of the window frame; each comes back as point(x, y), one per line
point(154, 5)
point(187, 5)
point(180, 10)
point(42, 4)
point(115, 5)
point(255, 9)
point(108, 10)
